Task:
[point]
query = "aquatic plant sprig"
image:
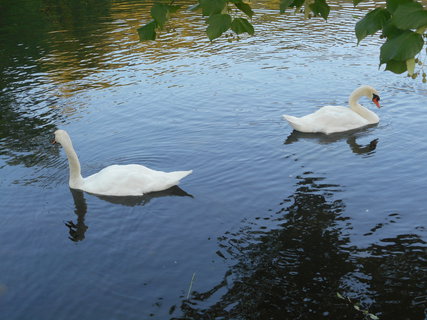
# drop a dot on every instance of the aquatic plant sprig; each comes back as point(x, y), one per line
point(191, 285)
point(357, 306)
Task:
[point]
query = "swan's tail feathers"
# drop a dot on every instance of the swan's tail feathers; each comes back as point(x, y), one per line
point(293, 121)
point(178, 175)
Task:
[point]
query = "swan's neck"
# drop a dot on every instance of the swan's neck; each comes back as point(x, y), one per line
point(353, 101)
point(76, 179)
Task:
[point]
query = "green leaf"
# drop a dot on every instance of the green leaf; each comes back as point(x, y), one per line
point(410, 16)
point(373, 317)
point(244, 7)
point(211, 7)
point(297, 3)
point(410, 65)
point(371, 23)
point(148, 32)
point(241, 25)
point(356, 307)
point(160, 12)
point(393, 4)
point(421, 30)
point(390, 31)
point(174, 8)
point(284, 4)
point(340, 296)
point(402, 47)
point(218, 24)
point(320, 7)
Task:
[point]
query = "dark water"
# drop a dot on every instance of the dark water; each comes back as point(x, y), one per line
point(271, 224)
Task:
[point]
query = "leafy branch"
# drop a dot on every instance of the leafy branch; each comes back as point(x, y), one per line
point(160, 12)
point(219, 19)
point(402, 23)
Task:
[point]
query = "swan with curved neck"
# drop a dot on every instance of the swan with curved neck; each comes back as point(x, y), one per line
point(116, 180)
point(332, 119)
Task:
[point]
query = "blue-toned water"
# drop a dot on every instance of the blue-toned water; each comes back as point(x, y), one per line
point(272, 224)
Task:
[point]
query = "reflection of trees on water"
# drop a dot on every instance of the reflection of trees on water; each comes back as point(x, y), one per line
point(25, 27)
point(291, 271)
point(78, 229)
point(26, 93)
point(31, 55)
point(23, 136)
point(293, 267)
point(398, 276)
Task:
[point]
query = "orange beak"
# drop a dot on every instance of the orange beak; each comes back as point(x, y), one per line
point(376, 100)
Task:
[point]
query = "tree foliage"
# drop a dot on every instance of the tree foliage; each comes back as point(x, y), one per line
point(401, 23)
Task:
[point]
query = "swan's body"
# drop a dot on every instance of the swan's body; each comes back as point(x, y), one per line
point(332, 119)
point(117, 180)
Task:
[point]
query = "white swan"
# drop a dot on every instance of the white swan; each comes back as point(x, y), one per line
point(331, 119)
point(117, 180)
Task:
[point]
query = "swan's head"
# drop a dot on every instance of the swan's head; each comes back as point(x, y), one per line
point(372, 94)
point(62, 137)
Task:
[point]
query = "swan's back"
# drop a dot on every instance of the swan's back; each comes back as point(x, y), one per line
point(131, 180)
point(328, 119)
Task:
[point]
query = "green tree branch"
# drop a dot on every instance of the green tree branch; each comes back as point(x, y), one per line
point(402, 23)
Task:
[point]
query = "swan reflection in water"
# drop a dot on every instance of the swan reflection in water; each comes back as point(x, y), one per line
point(349, 136)
point(77, 230)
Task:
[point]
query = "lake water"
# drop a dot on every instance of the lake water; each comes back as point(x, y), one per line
point(271, 224)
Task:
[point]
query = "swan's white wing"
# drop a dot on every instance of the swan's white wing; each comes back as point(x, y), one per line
point(328, 119)
point(131, 180)
point(338, 119)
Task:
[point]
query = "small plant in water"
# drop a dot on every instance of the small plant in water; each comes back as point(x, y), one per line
point(357, 306)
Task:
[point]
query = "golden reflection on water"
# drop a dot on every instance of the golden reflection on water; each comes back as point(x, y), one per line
point(81, 53)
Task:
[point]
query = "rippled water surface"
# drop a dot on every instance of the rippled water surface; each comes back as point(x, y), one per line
point(272, 224)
